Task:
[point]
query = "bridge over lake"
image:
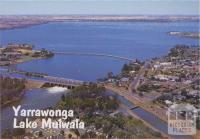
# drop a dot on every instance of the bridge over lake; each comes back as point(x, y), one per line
point(64, 81)
point(43, 79)
point(50, 81)
point(95, 54)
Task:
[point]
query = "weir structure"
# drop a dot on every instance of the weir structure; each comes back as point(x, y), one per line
point(44, 79)
point(62, 82)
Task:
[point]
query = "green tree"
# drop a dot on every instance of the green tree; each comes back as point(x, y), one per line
point(69, 135)
point(63, 97)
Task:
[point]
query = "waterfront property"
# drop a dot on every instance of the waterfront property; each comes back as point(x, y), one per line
point(17, 53)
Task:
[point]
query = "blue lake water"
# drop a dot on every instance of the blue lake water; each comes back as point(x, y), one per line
point(142, 40)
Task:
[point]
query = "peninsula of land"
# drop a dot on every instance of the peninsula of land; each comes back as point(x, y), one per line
point(18, 53)
point(194, 35)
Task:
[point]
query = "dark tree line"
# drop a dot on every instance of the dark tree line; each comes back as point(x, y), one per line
point(11, 88)
point(88, 98)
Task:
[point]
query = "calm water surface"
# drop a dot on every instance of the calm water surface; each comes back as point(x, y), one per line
point(141, 40)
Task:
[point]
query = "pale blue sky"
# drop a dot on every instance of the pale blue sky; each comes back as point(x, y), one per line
point(103, 7)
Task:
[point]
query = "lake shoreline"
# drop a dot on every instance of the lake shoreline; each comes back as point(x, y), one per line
point(25, 21)
point(16, 99)
point(192, 35)
point(28, 85)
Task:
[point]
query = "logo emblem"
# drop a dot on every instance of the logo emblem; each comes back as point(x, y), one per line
point(182, 119)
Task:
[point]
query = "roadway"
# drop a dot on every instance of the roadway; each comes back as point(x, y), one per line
point(95, 54)
point(134, 84)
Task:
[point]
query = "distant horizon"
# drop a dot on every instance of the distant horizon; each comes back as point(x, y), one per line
point(99, 7)
point(97, 15)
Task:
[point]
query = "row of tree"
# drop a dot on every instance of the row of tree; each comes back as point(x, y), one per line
point(11, 88)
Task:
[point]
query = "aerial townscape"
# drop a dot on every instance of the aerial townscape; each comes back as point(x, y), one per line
point(158, 83)
point(154, 85)
point(99, 76)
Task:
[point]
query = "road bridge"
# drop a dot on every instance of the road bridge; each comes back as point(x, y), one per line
point(95, 54)
point(63, 81)
point(49, 81)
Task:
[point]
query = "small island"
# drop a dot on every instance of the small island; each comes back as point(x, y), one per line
point(18, 53)
point(194, 35)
